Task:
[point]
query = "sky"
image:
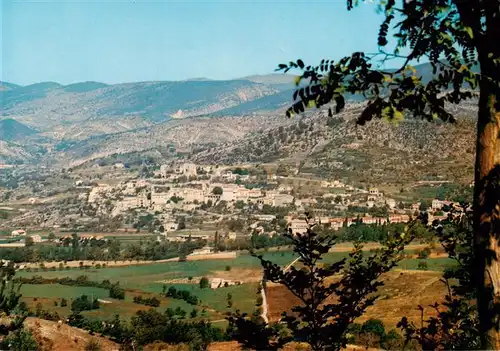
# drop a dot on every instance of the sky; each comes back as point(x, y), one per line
point(70, 41)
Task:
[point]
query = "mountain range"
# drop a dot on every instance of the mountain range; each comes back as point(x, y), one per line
point(208, 120)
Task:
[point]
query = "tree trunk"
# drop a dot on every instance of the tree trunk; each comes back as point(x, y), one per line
point(486, 212)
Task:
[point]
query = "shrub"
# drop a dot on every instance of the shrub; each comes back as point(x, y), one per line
point(204, 283)
point(228, 268)
point(374, 326)
point(422, 264)
point(83, 303)
point(93, 345)
point(115, 292)
point(393, 341)
point(64, 302)
point(424, 253)
point(21, 339)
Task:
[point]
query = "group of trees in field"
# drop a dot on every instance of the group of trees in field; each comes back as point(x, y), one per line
point(84, 303)
point(148, 301)
point(180, 294)
point(148, 326)
point(111, 250)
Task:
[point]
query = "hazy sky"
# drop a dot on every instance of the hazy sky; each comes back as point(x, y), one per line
point(123, 41)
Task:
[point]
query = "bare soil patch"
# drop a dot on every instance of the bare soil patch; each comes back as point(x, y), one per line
point(62, 337)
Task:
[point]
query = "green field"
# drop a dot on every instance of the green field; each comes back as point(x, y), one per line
point(60, 291)
point(144, 279)
point(139, 276)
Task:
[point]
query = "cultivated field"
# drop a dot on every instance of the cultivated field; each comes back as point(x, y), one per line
point(148, 278)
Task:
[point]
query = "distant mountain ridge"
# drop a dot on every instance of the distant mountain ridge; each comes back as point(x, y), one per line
point(85, 120)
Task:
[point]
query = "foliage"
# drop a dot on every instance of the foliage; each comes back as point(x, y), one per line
point(150, 326)
point(181, 295)
point(323, 325)
point(424, 253)
point(217, 190)
point(20, 340)
point(83, 303)
point(77, 249)
point(204, 283)
point(422, 264)
point(148, 301)
point(9, 299)
point(116, 292)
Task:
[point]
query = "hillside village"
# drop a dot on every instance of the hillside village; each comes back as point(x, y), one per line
point(178, 201)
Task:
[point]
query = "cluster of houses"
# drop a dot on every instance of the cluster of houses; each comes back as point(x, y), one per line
point(165, 193)
point(300, 225)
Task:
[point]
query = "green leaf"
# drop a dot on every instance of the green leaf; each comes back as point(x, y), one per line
point(469, 31)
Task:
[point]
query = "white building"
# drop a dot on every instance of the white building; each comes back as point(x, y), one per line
point(436, 204)
point(187, 169)
point(18, 232)
point(264, 217)
point(206, 250)
point(36, 238)
point(170, 226)
point(216, 283)
point(391, 203)
point(298, 226)
point(281, 200)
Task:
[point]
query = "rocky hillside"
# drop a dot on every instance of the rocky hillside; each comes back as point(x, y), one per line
point(380, 152)
point(184, 135)
point(212, 121)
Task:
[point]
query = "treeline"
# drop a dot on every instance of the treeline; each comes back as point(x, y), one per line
point(83, 303)
point(256, 241)
point(148, 301)
point(110, 250)
point(150, 326)
point(115, 291)
point(179, 294)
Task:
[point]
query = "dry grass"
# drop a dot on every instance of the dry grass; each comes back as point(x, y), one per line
point(63, 337)
point(401, 295)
